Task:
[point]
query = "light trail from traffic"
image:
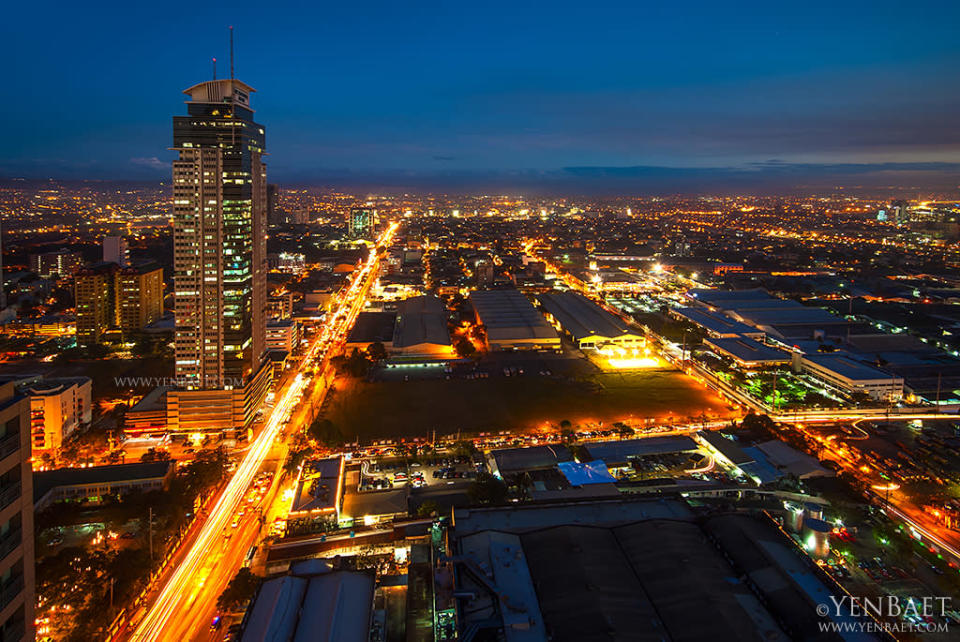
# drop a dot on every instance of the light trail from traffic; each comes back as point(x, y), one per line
point(181, 589)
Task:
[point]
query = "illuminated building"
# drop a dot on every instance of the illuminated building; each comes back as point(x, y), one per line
point(57, 408)
point(219, 192)
point(61, 263)
point(17, 585)
point(139, 293)
point(361, 223)
point(108, 296)
point(95, 297)
point(115, 250)
point(511, 322)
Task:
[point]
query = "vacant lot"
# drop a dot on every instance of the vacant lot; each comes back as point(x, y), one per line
point(417, 407)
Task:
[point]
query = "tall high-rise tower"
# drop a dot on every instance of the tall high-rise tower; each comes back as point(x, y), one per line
point(219, 196)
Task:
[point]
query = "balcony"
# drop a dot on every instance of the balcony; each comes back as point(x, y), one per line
point(9, 494)
point(9, 445)
point(10, 543)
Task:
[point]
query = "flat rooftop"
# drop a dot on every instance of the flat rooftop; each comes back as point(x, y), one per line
point(319, 486)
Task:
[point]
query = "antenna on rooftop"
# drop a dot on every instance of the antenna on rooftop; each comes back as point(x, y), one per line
point(231, 52)
point(214, 68)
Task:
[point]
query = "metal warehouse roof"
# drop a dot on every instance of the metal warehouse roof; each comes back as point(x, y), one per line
point(509, 314)
point(583, 318)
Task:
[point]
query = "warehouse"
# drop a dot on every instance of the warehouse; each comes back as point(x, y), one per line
point(511, 322)
point(589, 325)
point(853, 377)
point(749, 353)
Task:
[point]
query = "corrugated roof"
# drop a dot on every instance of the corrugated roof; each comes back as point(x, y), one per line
point(583, 318)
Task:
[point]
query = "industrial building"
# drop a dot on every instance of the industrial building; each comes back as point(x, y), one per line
point(511, 322)
point(589, 325)
point(782, 319)
point(416, 330)
point(421, 329)
point(314, 601)
point(853, 377)
point(748, 353)
point(606, 568)
point(717, 325)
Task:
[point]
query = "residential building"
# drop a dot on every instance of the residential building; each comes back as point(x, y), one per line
point(139, 297)
point(95, 298)
point(61, 263)
point(58, 407)
point(17, 560)
point(109, 297)
point(115, 250)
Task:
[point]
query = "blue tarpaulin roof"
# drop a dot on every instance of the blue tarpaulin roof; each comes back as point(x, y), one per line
point(594, 472)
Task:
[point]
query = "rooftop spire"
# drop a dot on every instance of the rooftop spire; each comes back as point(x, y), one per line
point(231, 52)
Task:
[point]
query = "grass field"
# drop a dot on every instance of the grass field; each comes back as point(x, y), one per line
point(416, 408)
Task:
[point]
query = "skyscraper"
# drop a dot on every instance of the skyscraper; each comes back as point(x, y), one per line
point(361, 223)
point(219, 192)
point(220, 261)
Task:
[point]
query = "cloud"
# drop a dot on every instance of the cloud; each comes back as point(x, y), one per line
point(152, 162)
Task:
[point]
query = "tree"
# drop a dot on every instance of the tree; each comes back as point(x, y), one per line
point(487, 489)
point(325, 432)
point(155, 455)
point(428, 508)
point(376, 351)
point(239, 591)
point(465, 347)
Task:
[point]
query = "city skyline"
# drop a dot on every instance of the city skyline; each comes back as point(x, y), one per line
point(580, 99)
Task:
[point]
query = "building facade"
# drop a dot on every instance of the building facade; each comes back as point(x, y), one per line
point(219, 185)
point(220, 261)
point(61, 263)
point(95, 297)
point(57, 408)
point(362, 223)
point(139, 292)
point(17, 560)
point(115, 250)
point(109, 297)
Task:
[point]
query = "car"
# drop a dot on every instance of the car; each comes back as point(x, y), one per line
point(217, 623)
point(235, 522)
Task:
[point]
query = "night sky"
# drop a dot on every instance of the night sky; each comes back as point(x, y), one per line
point(515, 93)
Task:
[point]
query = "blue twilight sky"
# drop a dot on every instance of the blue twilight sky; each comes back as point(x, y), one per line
point(448, 91)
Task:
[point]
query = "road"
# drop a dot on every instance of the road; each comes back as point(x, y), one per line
point(181, 607)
